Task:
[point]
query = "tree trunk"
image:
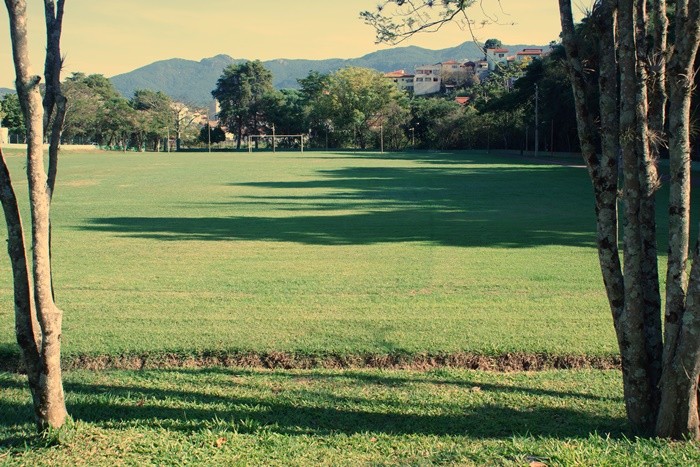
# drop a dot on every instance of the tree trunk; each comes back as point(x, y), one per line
point(27, 328)
point(50, 402)
point(678, 412)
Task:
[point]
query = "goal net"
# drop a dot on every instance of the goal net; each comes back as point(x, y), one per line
point(277, 142)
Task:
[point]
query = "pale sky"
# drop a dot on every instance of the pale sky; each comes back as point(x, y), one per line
point(112, 37)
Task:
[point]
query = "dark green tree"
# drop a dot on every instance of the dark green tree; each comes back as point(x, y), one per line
point(12, 117)
point(316, 111)
point(285, 110)
point(240, 91)
point(213, 135)
point(492, 44)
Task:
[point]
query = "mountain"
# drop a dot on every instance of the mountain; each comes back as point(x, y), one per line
point(4, 91)
point(191, 81)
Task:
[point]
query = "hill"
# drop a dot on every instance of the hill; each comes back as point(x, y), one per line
point(192, 81)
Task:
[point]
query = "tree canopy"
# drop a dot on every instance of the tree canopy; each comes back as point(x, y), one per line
point(240, 91)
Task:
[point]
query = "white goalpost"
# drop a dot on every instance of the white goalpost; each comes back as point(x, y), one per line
point(273, 138)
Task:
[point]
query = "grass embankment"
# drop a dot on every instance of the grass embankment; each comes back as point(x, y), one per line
point(322, 254)
point(252, 417)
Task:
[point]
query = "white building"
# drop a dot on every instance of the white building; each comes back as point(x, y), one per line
point(403, 80)
point(495, 57)
point(427, 79)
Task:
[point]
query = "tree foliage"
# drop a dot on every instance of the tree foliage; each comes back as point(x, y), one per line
point(212, 135)
point(12, 117)
point(359, 101)
point(240, 91)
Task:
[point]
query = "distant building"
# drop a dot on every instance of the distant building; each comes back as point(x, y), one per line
point(403, 80)
point(214, 109)
point(427, 80)
point(495, 57)
point(527, 55)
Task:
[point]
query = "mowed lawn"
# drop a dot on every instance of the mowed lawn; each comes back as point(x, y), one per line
point(322, 253)
point(226, 416)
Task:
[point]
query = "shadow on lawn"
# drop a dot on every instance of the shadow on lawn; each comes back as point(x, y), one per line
point(446, 200)
point(309, 405)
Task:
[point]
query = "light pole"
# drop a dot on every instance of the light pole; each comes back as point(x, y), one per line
point(413, 137)
point(208, 135)
point(537, 119)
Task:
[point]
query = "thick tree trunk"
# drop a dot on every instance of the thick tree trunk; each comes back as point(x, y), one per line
point(51, 404)
point(636, 365)
point(678, 412)
point(649, 183)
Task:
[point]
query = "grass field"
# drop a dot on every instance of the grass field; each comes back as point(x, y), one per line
point(250, 417)
point(322, 253)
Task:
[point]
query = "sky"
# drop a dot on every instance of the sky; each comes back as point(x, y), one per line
point(112, 37)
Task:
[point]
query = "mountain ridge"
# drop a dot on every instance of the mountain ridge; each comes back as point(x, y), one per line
point(191, 81)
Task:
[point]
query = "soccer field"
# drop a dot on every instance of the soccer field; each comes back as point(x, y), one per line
point(322, 253)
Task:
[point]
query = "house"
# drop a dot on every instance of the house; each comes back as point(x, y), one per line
point(455, 74)
point(427, 79)
point(481, 68)
point(495, 57)
point(462, 100)
point(403, 80)
point(527, 55)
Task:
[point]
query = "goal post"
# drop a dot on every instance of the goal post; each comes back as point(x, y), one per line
point(273, 140)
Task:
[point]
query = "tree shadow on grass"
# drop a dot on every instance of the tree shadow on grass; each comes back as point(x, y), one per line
point(463, 205)
point(309, 403)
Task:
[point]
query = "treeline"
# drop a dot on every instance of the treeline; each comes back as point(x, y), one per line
point(97, 114)
point(357, 107)
point(513, 108)
point(516, 107)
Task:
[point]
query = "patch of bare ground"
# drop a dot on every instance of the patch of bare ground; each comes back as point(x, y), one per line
point(282, 360)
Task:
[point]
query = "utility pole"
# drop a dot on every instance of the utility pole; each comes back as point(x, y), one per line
point(551, 139)
point(537, 119)
point(274, 146)
point(381, 138)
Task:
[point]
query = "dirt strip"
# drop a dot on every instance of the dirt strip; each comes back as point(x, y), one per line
point(280, 360)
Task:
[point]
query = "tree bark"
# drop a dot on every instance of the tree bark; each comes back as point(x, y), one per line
point(51, 404)
point(27, 329)
point(678, 412)
point(638, 368)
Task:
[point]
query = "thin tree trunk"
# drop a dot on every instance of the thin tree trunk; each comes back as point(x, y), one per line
point(603, 171)
point(26, 326)
point(53, 97)
point(51, 409)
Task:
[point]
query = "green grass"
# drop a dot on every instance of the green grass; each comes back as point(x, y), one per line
point(322, 253)
point(326, 254)
point(245, 417)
